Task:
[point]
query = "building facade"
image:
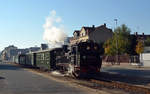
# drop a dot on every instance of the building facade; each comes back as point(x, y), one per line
point(140, 37)
point(97, 34)
point(9, 52)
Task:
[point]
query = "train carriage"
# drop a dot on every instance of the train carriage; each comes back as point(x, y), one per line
point(15, 59)
point(47, 59)
point(43, 60)
point(22, 59)
point(30, 59)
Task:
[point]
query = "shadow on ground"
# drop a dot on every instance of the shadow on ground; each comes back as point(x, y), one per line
point(132, 76)
point(2, 78)
point(132, 72)
point(8, 67)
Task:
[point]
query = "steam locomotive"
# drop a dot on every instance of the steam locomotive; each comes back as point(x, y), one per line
point(78, 60)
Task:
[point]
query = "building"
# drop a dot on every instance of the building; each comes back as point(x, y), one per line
point(140, 37)
point(144, 57)
point(9, 52)
point(97, 34)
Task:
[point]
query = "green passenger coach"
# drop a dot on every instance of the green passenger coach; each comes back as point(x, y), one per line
point(31, 59)
point(43, 60)
point(47, 59)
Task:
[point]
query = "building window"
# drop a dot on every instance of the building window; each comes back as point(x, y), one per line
point(83, 34)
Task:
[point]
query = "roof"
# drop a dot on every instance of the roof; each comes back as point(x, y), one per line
point(46, 50)
point(141, 36)
point(76, 31)
point(89, 29)
point(102, 27)
point(93, 28)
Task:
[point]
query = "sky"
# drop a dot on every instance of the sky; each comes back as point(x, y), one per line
point(21, 21)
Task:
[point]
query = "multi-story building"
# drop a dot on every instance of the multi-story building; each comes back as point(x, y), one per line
point(97, 34)
point(9, 52)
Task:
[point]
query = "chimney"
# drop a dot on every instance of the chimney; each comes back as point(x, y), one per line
point(143, 34)
point(93, 26)
point(136, 33)
point(104, 24)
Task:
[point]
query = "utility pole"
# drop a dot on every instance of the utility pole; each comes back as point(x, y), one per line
point(116, 22)
point(117, 56)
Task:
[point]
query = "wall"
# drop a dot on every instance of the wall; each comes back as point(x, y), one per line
point(146, 49)
point(145, 59)
point(100, 35)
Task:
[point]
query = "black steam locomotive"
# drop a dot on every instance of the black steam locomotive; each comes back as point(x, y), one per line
point(78, 60)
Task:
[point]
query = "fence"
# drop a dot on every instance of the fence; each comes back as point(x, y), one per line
point(121, 59)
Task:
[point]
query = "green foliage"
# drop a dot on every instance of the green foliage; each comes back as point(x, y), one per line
point(120, 42)
point(109, 47)
point(139, 47)
point(147, 42)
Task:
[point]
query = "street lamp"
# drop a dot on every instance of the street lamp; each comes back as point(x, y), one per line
point(116, 22)
point(116, 41)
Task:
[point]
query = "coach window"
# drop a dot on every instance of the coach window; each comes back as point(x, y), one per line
point(43, 56)
point(74, 50)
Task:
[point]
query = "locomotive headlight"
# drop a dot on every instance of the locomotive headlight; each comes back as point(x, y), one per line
point(88, 47)
point(84, 57)
point(95, 47)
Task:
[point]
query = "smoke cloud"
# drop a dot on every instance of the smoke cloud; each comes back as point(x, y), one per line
point(53, 30)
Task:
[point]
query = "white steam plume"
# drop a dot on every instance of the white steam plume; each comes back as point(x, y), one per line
point(53, 34)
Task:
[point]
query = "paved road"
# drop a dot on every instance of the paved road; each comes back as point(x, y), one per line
point(15, 80)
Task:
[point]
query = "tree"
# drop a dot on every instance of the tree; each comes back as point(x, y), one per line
point(120, 42)
point(139, 47)
point(109, 47)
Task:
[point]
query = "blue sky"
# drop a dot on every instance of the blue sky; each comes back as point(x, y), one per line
point(21, 21)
